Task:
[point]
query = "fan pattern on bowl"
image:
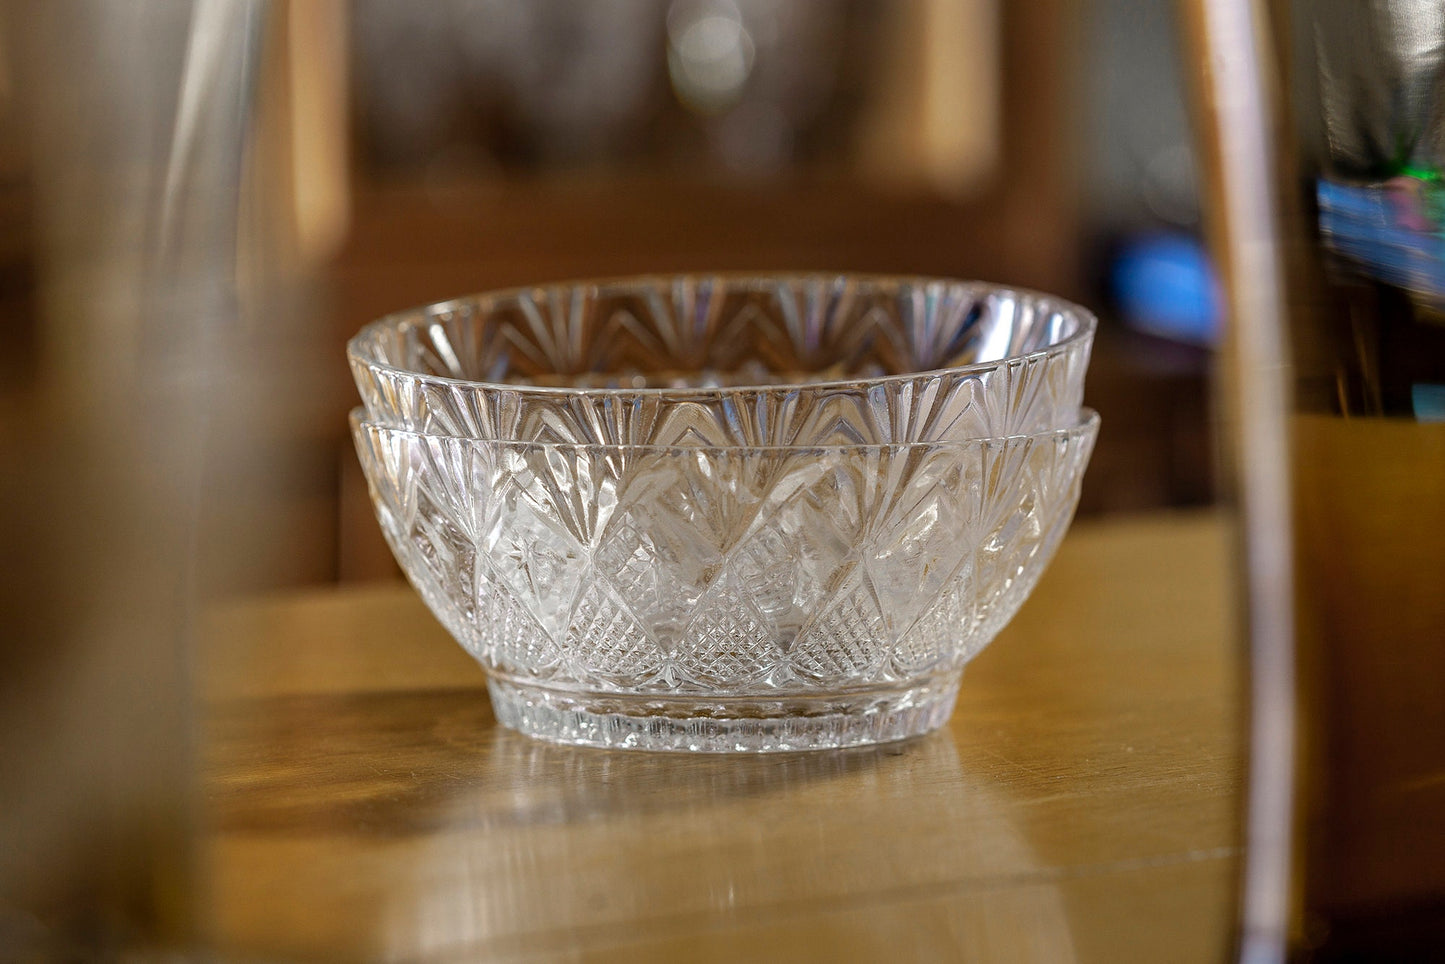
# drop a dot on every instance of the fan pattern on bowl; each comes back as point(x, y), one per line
point(853, 360)
point(723, 572)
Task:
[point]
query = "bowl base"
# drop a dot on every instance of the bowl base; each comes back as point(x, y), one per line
point(732, 725)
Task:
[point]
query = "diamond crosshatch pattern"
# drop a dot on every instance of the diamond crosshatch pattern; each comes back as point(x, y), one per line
point(723, 573)
point(726, 512)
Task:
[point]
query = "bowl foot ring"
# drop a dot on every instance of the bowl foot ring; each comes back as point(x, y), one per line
point(735, 725)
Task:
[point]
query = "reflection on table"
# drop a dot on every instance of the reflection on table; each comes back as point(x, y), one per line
point(1080, 806)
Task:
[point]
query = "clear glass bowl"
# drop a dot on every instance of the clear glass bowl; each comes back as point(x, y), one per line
point(730, 360)
point(724, 598)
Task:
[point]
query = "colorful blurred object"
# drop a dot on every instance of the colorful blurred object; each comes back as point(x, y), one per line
point(1391, 230)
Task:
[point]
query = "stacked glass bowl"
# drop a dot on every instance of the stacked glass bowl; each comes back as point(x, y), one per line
point(726, 513)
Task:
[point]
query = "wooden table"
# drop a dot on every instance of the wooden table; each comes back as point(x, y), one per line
point(1082, 805)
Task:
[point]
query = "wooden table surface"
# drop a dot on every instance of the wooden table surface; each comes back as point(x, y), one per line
point(362, 803)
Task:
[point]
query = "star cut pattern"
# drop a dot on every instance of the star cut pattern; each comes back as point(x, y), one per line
point(707, 339)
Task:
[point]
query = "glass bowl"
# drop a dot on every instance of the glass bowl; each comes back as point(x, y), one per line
point(730, 360)
point(743, 598)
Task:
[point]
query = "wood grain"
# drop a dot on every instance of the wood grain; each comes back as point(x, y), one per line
point(362, 803)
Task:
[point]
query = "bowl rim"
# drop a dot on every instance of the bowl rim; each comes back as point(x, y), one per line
point(1081, 338)
point(1086, 426)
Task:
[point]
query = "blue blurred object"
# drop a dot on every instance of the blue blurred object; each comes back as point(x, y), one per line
point(1428, 401)
point(1389, 229)
point(1164, 284)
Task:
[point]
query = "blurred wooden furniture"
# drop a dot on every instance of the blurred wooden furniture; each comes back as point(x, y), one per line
point(363, 804)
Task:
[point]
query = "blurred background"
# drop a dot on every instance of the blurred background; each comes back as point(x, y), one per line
point(397, 154)
point(200, 202)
